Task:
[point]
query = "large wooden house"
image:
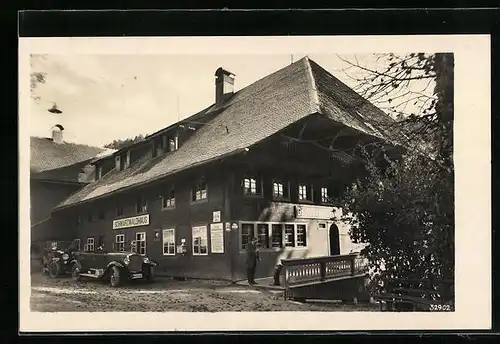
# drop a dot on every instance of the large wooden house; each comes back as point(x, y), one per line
point(267, 161)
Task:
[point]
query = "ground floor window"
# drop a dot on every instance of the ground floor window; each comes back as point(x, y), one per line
point(90, 246)
point(76, 244)
point(200, 240)
point(274, 235)
point(169, 242)
point(140, 243)
point(120, 242)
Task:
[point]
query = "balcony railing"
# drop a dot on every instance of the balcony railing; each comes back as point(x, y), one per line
point(316, 270)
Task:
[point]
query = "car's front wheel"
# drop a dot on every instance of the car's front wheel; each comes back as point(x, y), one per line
point(114, 278)
point(54, 269)
point(151, 276)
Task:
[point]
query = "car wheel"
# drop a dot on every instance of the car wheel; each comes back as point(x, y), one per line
point(75, 274)
point(151, 275)
point(114, 278)
point(54, 269)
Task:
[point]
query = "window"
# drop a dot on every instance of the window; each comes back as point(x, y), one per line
point(140, 243)
point(301, 236)
point(99, 172)
point(120, 243)
point(91, 217)
point(102, 214)
point(246, 234)
point(173, 143)
point(100, 241)
point(119, 210)
point(168, 201)
point(322, 225)
point(142, 205)
point(118, 164)
point(280, 189)
point(263, 235)
point(90, 245)
point(200, 241)
point(289, 236)
point(305, 192)
point(168, 242)
point(78, 220)
point(276, 235)
point(76, 244)
point(200, 190)
point(324, 195)
point(125, 160)
point(252, 186)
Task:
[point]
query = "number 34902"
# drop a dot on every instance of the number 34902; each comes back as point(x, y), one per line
point(440, 308)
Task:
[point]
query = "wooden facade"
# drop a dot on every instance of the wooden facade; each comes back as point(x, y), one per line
point(237, 195)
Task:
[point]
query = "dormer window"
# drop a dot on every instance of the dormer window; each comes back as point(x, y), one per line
point(99, 172)
point(173, 143)
point(118, 162)
point(125, 159)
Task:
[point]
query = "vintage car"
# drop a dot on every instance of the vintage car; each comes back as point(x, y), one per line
point(115, 267)
point(58, 258)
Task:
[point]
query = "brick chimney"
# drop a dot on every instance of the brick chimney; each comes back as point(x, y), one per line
point(57, 133)
point(224, 85)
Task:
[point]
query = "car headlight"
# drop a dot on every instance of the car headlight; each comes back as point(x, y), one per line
point(126, 260)
point(65, 256)
point(146, 260)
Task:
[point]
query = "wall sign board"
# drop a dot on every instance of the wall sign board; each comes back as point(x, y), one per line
point(216, 216)
point(135, 221)
point(217, 237)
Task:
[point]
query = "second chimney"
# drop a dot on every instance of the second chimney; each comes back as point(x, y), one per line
point(224, 85)
point(57, 133)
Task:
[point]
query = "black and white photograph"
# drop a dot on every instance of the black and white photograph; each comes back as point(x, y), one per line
point(289, 180)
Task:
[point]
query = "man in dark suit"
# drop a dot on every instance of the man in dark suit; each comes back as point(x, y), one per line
point(252, 256)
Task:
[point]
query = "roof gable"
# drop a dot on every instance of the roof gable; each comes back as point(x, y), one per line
point(251, 115)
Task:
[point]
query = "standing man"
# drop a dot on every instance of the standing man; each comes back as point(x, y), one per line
point(252, 257)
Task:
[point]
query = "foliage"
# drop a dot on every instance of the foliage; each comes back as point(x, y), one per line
point(403, 206)
point(118, 144)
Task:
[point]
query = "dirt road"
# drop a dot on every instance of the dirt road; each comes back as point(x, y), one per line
point(64, 295)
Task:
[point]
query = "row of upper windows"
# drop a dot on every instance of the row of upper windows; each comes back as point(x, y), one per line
point(251, 186)
point(199, 193)
point(160, 145)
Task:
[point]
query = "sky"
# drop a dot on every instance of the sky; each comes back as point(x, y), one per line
point(108, 97)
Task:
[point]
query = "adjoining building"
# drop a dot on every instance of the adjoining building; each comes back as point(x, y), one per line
point(57, 170)
point(268, 161)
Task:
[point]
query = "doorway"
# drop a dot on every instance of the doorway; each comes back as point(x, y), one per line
point(334, 240)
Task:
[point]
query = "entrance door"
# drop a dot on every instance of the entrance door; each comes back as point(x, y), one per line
point(334, 240)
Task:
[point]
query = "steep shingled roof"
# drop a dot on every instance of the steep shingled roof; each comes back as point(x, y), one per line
point(252, 114)
point(47, 155)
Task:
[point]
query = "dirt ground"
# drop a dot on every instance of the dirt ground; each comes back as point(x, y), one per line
point(65, 295)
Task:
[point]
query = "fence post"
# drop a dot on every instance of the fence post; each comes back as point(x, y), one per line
point(322, 270)
point(287, 276)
